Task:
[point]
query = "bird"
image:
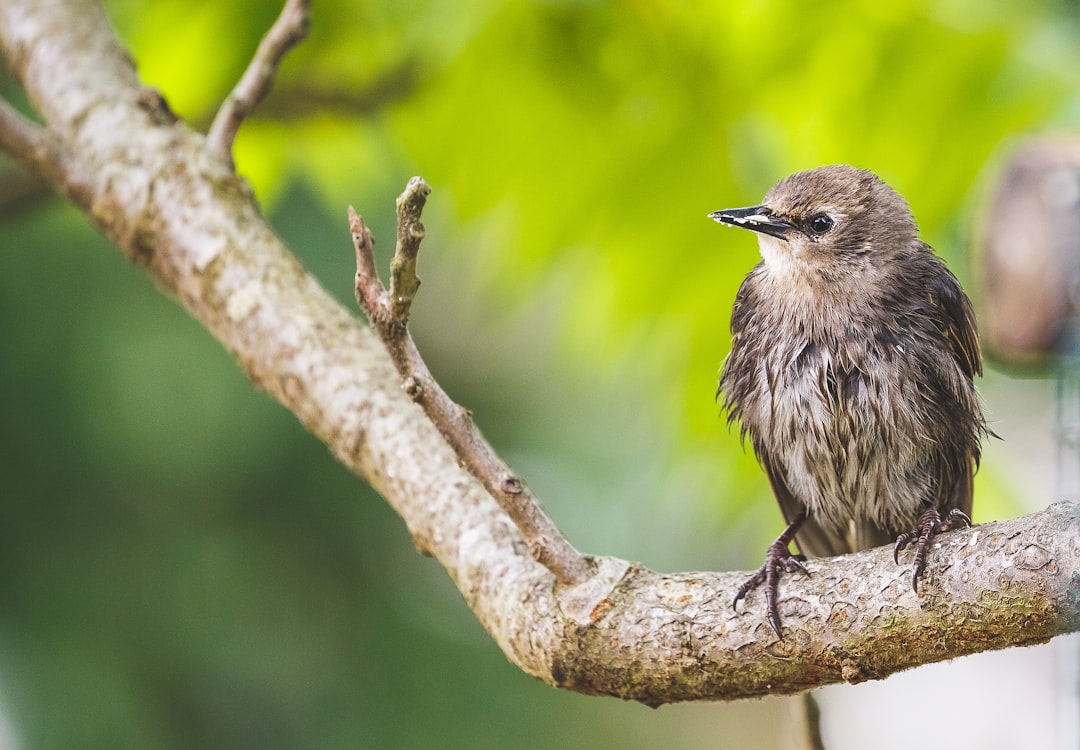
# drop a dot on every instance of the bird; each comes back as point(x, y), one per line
point(853, 356)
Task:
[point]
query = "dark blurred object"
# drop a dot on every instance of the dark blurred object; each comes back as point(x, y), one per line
point(1028, 246)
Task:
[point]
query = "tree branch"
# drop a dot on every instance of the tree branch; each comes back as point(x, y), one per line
point(404, 283)
point(288, 30)
point(37, 151)
point(388, 312)
point(175, 207)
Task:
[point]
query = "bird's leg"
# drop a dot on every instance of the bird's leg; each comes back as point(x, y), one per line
point(777, 558)
point(929, 526)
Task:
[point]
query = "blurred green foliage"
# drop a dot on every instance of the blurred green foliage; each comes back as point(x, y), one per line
point(181, 566)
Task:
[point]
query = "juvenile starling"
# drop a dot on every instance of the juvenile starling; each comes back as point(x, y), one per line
point(852, 357)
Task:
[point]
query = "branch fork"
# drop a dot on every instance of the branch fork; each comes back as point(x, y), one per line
point(388, 312)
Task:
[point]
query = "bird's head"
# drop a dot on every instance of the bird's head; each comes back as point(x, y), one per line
point(833, 222)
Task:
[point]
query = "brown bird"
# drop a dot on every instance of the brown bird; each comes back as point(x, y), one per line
point(852, 357)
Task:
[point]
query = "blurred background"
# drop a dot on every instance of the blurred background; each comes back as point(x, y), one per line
point(182, 566)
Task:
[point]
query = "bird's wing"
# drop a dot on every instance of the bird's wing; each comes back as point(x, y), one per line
point(956, 320)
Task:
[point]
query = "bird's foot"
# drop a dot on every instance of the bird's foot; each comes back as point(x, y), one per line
point(778, 558)
point(929, 526)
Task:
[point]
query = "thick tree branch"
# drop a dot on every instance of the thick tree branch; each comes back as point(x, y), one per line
point(289, 29)
point(175, 207)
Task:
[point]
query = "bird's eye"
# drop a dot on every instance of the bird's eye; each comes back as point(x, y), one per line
point(821, 224)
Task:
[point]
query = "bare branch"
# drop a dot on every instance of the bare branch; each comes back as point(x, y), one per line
point(404, 283)
point(290, 28)
point(658, 638)
point(369, 290)
point(24, 141)
point(38, 151)
point(388, 313)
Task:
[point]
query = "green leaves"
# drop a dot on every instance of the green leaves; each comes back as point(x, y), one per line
point(579, 146)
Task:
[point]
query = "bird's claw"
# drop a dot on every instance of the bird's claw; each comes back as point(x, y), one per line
point(929, 526)
point(778, 558)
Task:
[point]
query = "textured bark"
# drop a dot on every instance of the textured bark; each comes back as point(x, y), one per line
point(174, 206)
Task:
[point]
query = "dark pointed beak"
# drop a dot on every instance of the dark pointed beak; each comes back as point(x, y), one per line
point(755, 218)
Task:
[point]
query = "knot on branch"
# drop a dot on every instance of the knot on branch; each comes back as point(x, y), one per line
point(511, 485)
point(412, 388)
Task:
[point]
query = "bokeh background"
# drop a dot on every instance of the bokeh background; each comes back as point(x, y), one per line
point(181, 566)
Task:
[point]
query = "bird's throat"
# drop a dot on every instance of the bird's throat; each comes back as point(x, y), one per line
point(778, 257)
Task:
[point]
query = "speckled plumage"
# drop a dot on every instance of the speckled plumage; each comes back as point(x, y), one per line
point(851, 365)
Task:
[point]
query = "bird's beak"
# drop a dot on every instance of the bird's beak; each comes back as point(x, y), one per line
point(755, 218)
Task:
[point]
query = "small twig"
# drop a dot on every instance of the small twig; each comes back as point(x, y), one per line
point(29, 143)
point(404, 283)
point(40, 152)
point(388, 312)
point(290, 27)
point(369, 290)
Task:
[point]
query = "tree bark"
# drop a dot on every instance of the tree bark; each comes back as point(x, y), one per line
point(175, 206)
